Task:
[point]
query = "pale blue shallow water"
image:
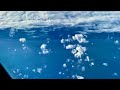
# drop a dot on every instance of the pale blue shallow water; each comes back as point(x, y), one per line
point(28, 63)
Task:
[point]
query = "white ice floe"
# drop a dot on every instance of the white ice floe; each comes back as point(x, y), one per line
point(22, 40)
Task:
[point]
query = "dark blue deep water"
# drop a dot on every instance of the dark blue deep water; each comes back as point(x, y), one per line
point(26, 60)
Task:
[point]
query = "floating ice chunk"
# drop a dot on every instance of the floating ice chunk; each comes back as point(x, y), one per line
point(64, 65)
point(79, 77)
point(105, 64)
point(22, 40)
point(70, 46)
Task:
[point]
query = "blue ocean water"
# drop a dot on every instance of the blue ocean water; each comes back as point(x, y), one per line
point(26, 60)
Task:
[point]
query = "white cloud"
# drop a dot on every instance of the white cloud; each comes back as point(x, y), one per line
point(22, 40)
point(44, 49)
point(80, 38)
point(79, 77)
point(109, 20)
point(70, 46)
point(64, 65)
point(62, 41)
point(43, 46)
point(39, 70)
point(105, 64)
point(116, 42)
point(80, 51)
